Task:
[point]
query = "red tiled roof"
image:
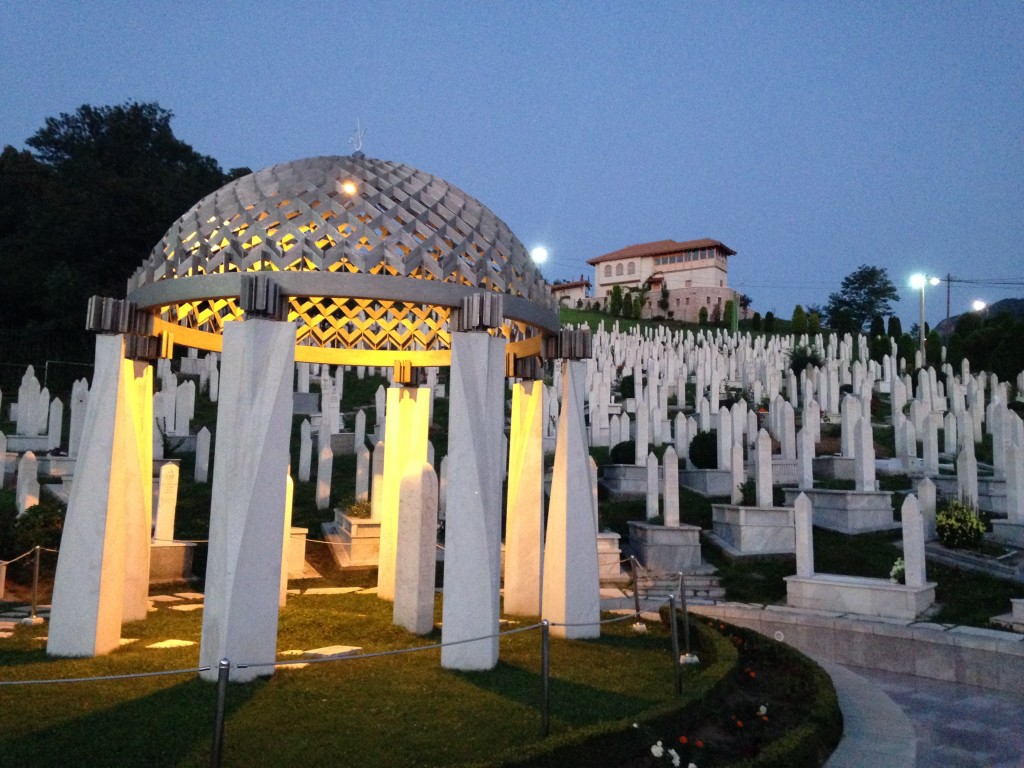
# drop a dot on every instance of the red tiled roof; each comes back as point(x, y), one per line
point(569, 286)
point(660, 248)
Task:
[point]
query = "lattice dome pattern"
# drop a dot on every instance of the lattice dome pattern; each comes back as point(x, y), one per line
point(324, 226)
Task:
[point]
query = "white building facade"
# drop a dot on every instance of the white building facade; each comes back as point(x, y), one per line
point(695, 274)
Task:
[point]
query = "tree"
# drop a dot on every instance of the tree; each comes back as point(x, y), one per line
point(615, 301)
point(877, 326)
point(798, 323)
point(864, 293)
point(702, 316)
point(755, 321)
point(813, 323)
point(90, 202)
point(769, 322)
point(895, 327)
point(663, 301)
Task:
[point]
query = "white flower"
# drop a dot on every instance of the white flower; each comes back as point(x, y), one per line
point(657, 750)
point(635, 725)
point(676, 761)
point(692, 765)
point(639, 628)
point(762, 710)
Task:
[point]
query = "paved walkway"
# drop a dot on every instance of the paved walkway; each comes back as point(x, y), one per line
point(901, 721)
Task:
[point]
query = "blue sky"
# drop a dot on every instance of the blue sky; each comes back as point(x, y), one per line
point(809, 137)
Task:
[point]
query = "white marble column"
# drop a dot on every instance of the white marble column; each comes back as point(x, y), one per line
point(472, 568)
point(525, 501)
point(105, 545)
point(247, 508)
point(571, 579)
point(406, 424)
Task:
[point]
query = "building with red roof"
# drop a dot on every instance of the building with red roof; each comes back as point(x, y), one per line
point(695, 274)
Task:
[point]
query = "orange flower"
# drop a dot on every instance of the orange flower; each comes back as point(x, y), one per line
point(700, 744)
point(683, 740)
point(753, 674)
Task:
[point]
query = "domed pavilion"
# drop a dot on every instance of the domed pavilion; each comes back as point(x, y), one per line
point(336, 261)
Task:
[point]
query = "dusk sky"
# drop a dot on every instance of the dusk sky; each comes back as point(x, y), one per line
point(808, 137)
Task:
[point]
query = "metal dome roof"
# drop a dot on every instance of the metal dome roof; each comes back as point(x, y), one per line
point(372, 255)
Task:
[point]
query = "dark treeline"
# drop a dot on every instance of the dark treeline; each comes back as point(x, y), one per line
point(84, 205)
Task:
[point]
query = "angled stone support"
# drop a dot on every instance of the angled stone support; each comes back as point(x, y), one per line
point(472, 570)
point(405, 443)
point(571, 576)
point(250, 472)
point(525, 500)
point(103, 569)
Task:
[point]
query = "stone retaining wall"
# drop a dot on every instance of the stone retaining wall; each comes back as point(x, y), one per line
point(969, 655)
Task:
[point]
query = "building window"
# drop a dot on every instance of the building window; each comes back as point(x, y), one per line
point(721, 283)
point(631, 269)
point(689, 283)
point(677, 302)
point(618, 270)
point(687, 301)
point(607, 270)
point(709, 301)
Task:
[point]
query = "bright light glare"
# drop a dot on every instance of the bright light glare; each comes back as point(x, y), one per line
point(917, 281)
point(349, 187)
point(978, 305)
point(933, 281)
point(539, 254)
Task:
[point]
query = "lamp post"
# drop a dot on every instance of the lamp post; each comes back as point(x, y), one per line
point(918, 282)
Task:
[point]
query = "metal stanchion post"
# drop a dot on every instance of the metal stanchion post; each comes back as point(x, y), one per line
point(675, 644)
point(217, 748)
point(545, 679)
point(633, 565)
point(3, 577)
point(35, 586)
point(686, 614)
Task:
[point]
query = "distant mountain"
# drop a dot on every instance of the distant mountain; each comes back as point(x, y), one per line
point(1013, 307)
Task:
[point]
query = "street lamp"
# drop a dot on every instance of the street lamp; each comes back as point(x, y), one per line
point(918, 282)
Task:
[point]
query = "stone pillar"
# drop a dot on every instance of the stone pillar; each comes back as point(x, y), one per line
point(651, 495)
point(525, 501)
point(105, 543)
point(763, 469)
point(472, 568)
point(324, 471)
point(913, 542)
point(362, 472)
point(377, 480)
point(739, 475)
point(202, 471)
point(415, 548)
point(167, 500)
point(305, 451)
point(926, 503)
point(864, 456)
point(571, 579)
point(804, 532)
point(249, 492)
point(670, 470)
point(286, 540)
point(406, 422)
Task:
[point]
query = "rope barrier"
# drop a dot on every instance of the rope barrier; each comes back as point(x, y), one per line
point(396, 652)
point(19, 557)
point(594, 623)
point(184, 541)
point(130, 676)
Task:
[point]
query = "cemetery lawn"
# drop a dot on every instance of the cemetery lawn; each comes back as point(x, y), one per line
point(398, 710)
point(611, 700)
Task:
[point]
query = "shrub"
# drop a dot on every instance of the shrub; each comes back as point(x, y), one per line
point(627, 386)
point(41, 525)
point(359, 509)
point(704, 450)
point(623, 453)
point(748, 492)
point(801, 357)
point(958, 526)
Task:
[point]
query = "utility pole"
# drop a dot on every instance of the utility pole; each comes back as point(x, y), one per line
point(949, 283)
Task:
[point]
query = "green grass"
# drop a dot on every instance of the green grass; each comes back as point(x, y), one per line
point(387, 711)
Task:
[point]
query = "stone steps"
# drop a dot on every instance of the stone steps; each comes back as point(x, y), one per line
point(699, 587)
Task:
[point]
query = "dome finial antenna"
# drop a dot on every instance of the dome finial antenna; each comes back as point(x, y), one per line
point(356, 140)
